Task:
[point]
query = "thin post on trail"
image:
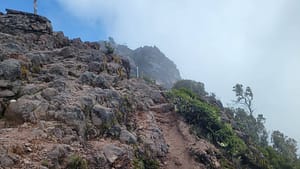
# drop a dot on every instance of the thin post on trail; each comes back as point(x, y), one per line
point(35, 7)
point(137, 72)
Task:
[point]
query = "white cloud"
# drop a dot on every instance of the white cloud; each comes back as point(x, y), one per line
point(218, 42)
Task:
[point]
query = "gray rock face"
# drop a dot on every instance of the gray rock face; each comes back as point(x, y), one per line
point(6, 93)
point(103, 82)
point(112, 152)
point(16, 22)
point(87, 78)
point(22, 110)
point(152, 64)
point(127, 137)
point(102, 116)
point(6, 161)
point(58, 69)
point(31, 89)
point(67, 52)
point(155, 65)
point(73, 116)
point(57, 154)
point(95, 67)
point(49, 93)
point(98, 160)
point(5, 84)
point(10, 69)
point(38, 59)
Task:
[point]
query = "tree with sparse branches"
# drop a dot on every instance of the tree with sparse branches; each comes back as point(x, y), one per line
point(244, 98)
point(284, 145)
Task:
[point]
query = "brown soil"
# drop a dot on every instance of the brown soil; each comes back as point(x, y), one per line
point(177, 136)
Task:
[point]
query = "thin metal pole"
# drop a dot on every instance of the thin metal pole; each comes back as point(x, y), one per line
point(35, 6)
point(137, 72)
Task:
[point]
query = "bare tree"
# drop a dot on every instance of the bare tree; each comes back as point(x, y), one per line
point(244, 98)
point(35, 6)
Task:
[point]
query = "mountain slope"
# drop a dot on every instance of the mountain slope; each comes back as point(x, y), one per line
point(151, 63)
point(67, 104)
point(70, 104)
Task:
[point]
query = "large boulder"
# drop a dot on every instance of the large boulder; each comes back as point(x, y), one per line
point(31, 89)
point(6, 161)
point(73, 116)
point(112, 152)
point(57, 154)
point(87, 78)
point(10, 69)
point(127, 137)
point(6, 93)
point(58, 69)
point(49, 93)
point(102, 116)
point(5, 84)
point(22, 110)
point(103, 81)
point(97, 160)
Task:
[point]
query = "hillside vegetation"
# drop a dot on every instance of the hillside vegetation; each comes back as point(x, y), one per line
point(241, 136)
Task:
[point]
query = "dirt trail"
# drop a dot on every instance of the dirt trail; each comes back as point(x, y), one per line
point(178, 156)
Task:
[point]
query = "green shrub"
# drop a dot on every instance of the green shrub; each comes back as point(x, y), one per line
point(227, 138)
point(24, 72)
point(144, 160)
point(196, 87)
point(206, 118)
point(205, 121)
point(76, 162)
point(45, 163)
point(36, 68)
point(109, 48)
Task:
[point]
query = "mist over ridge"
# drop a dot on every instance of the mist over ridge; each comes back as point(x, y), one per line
point(219, 43)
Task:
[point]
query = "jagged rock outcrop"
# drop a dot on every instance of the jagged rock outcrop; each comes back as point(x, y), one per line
point(152, 64)
point(155, 65)
point(17, 22)
point(66, 102)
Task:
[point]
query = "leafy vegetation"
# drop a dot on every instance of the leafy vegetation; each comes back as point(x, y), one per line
point(144, 160)
point(195, 87)
point(109, 49)
point(284, 145)
point(253, 127)
point(243, 137)
point(283, 152)
point(244, 98)
point(77, 162)
point(206, 118)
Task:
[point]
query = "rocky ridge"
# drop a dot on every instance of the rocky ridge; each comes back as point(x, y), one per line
point(65, 103)
point(152, 64)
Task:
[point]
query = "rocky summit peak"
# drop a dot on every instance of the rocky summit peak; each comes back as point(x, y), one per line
point(153, 65)
point(18, 22)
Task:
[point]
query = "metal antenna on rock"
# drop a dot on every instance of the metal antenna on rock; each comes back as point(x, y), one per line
point(35, 6)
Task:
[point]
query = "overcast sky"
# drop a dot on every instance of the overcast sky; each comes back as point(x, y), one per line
point(218, 42)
